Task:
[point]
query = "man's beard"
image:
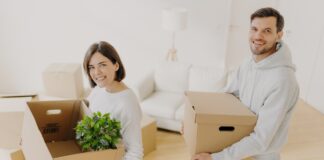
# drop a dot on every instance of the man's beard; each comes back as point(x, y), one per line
point(264, 50)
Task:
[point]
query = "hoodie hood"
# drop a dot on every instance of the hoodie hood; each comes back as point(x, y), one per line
point(281, 58)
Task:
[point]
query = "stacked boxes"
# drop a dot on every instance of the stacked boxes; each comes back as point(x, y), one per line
point(63, 80)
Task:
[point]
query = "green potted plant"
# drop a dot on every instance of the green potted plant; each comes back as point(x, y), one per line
point(98, 132)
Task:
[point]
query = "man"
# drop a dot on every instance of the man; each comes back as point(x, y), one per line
point(265, 83)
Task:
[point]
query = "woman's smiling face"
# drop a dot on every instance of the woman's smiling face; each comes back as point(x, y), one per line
point(102, 70)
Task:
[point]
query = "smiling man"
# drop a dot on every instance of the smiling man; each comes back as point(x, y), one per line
point(266, 84)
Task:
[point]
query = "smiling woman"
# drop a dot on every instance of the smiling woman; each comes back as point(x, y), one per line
point(105, 72)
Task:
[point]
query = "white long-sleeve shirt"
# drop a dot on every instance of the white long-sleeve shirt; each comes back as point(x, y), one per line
point(270, 90)
point(124, 107)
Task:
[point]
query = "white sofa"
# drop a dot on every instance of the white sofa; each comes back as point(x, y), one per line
point(161, 93)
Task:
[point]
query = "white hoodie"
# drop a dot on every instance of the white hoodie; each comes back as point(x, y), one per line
point(270, 90)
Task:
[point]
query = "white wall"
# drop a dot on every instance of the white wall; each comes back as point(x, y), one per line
point(305, 35)
point(35, 33)
point(237, 48)
point(316, 85)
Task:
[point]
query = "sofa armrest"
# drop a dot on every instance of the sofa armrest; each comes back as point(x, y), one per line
point(230, 76)
point(144, 86)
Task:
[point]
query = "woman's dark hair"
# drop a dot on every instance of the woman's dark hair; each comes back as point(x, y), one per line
point(270, 12)
point(108, 51)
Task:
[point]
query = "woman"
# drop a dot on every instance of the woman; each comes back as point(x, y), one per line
point(105, 72)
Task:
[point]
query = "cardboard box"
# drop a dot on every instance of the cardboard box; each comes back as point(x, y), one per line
point(17, 94)
point(11, 124)
point(148, 125)
point(48, 132)
point(17, 155)
point(11, 121)
point(214, 121)
point(10, 134)
point(63, 80)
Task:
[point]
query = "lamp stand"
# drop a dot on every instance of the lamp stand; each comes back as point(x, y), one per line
point(172, 53)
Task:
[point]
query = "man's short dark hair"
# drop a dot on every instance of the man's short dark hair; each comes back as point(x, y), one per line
point(270, 12)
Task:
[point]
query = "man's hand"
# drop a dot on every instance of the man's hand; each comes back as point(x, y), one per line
point(202, 156)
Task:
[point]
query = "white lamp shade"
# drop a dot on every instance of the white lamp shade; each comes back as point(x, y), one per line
point(174, 19)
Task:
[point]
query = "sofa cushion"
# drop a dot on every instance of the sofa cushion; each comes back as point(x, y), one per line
point(208, 79)
point(162, 104)
point(172, 77)
point(179, 115)
point(168, 124)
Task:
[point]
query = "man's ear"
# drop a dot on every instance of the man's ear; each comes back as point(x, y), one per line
point(280, 34)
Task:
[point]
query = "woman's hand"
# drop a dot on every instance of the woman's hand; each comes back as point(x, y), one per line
point(202, 156)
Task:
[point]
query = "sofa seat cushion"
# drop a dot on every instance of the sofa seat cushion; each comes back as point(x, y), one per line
point(162, 104)
point(179, 115)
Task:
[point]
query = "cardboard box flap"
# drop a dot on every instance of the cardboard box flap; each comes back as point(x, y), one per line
point(17, 94)
point(17, 155)
point(11, 125)
point(214, 108)
point(33, 144)
point(113, 154)
point(56, 118)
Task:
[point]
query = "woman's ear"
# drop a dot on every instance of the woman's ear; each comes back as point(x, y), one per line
point(116, 66)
